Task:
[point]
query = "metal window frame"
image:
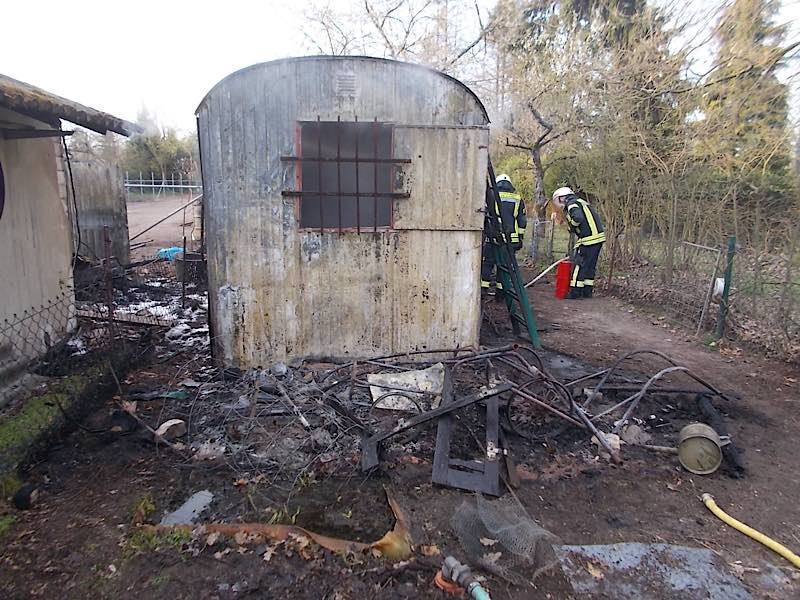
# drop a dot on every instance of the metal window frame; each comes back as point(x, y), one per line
point(298, 159)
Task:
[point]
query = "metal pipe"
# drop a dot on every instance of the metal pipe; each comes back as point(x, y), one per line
point(338, 168)
point(358, 175)
point(319, 174)
point(375, 176)
point(405, 395)
point(545, 272)
point(636, 398)
point(586, 378)
point(402, 354)
point(611, 387)
point(185, 272)
point(655, 353)
point(520, 392)
point(709, 295)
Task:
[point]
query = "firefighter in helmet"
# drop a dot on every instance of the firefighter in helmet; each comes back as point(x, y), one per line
point(584, 221)
point(513, 221)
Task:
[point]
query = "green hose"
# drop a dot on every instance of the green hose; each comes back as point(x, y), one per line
point(477, 592)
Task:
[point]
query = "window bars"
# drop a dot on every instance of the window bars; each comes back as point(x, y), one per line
point(340, 165)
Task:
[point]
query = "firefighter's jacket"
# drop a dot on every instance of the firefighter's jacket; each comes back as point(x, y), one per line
point(584, 221)
point(512, 216)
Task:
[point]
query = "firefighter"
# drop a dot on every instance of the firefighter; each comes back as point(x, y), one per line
point(584, 221)
point(513, 221)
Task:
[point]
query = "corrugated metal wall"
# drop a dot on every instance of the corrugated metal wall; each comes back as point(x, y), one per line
point(100, 200)
point(278, 292)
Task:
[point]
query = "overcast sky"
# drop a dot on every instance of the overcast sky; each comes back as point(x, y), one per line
point(119, 55)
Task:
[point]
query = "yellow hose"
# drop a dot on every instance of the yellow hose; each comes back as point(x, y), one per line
point(708, 500)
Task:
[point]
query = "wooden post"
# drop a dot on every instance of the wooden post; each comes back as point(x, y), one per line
point(723, 307)
point(108, 278)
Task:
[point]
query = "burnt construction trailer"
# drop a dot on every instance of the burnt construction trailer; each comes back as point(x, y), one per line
point(343, 209)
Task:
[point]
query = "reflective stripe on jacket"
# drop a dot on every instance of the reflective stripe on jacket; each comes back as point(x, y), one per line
point(512, 215)
point(584, 222)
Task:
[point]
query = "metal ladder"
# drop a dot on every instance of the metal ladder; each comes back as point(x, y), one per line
point(516, 297)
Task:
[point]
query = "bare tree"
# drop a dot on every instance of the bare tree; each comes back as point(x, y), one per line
point(442, 34)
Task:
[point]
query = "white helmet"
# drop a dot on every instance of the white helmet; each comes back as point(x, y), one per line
point(562, 191)
point(503, 177)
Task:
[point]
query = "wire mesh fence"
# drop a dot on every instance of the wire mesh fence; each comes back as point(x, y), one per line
point(643, 268)
point(156, 183)
point(685, 280)
point(101, 308)
point(764, 303)
point(677, 276)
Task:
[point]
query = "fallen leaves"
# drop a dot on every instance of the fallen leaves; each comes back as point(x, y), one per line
point(270, 552)
point(488, 541)
point(395, 545)
point(727, 351)
point(301, 542)
point(218, 555)
point(492, 557)
point(432, 550)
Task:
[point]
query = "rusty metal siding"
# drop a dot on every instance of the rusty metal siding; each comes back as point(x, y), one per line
point(278, 292)
point(444, 181)
point(100, 201)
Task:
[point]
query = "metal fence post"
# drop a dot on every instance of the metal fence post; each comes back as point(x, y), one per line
point(723, 307)
point(184, 272)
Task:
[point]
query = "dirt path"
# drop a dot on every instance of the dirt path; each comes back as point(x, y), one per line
point(144, 213)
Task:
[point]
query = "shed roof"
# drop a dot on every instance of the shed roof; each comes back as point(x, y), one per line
point(340, 59)
point(35, 102)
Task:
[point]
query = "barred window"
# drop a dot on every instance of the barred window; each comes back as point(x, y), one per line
point(346, 175)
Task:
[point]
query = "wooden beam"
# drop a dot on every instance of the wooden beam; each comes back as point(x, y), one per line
point(24, 134)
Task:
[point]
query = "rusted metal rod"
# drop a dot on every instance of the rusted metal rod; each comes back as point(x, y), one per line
point(518, 390)
point(636, 398)
point(174, 212)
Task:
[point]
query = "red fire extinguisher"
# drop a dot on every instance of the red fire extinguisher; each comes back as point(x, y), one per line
point(563, 276)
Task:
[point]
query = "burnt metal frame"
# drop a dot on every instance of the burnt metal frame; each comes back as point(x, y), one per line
point(338, 194)
point(370, 443)
point(474, 475)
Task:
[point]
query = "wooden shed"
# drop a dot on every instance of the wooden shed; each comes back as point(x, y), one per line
point(343, 209)
point(36, 219)
point(100, 202)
